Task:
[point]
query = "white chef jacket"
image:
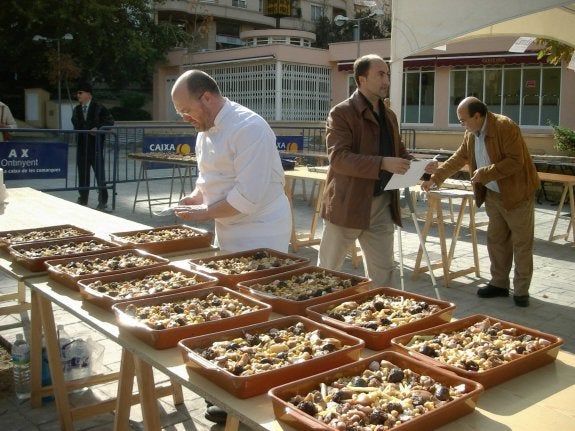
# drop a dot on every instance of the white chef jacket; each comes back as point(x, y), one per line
point(238, 161)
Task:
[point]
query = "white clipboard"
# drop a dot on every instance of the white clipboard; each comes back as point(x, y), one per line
point(410, 178)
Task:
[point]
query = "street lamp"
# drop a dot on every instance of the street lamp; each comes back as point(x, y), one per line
point(341, 20)
point(67, 36)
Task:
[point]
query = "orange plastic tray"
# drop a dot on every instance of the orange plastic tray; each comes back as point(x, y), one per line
point(202, 239)
point(107, 301)
point(9, 237)
point(166, 338)
point(379, 340)
point(249, 386)
point(292, 416)
point(290, 306)
point(37, 264)
point(71, 281)
point(495, 375)
point(231, 280)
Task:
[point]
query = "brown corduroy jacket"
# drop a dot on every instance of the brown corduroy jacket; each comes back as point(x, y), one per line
point(352, 140)
point(511, 164)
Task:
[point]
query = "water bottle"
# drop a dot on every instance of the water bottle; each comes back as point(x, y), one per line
point(64, 341)
point(78, 354)
point(21, 367)
point(46, 377)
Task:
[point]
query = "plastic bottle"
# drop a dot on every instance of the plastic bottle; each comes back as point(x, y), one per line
point(78, 354)
point(21, 367)
point(46, 376)
point(64, 340)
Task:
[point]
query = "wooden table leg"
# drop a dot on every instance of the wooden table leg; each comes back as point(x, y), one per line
point(177, 393)
point(125, 389)
point(232, 423)
point(456, 231)
point(289, 194)
point(19, 296)
point(53, 352)
point(435, 208)
point(317, 210)
point(146, 388)
point(473, 230)
point(35, 352)
point(441, 232)
point(424, 231)
point(572, 221)
point(558, 213)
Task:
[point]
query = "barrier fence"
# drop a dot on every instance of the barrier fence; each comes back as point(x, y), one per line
point(51, 155)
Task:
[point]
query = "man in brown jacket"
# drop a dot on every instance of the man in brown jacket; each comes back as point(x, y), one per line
point(505, 178)
point(364, 149)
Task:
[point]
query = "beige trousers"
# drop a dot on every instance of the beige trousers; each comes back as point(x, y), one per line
point(510, 236)
point(376, 243)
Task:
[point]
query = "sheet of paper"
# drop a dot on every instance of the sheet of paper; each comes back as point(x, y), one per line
point(410, 178)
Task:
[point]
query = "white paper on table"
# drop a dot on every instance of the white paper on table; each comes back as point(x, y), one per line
point(410, 178)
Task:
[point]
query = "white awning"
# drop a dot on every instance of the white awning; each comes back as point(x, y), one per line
point(420, 25)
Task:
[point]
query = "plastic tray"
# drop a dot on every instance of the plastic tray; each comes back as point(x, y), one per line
point(9, 237)
point(495, 375)
point(379, 340)
point(166, 338)
point(231, 280)
point(201, 239)
point(291, 306)
point(248, 386)
point(37, 264)
point(71, 280)
point(291, 415)
point(107, 301)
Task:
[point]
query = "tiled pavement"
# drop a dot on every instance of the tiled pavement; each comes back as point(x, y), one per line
point(552, 307)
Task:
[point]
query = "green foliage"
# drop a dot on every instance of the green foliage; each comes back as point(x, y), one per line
point(121, 113)
point(564, 138)
point(131, 107)
point(116, 42)
point(555, 51)
point(326, 31)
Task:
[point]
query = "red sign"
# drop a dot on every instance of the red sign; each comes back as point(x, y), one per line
point(530, 84)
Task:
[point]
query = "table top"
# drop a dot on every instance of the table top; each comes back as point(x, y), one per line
point(29, 208)
point(541, 399)
point(557, 178)
point(169, 158)
point(320, 155)
point(305, 173)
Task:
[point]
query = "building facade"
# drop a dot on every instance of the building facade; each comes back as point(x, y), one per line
point(270, 65)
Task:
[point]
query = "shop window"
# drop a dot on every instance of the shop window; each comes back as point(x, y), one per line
point(418, 96)
point(528, 94)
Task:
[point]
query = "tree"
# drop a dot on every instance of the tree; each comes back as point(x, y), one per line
point(555, 51)
point(326, 31)
point(116, 42)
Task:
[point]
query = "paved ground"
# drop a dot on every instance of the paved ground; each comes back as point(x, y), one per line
point(552, 306)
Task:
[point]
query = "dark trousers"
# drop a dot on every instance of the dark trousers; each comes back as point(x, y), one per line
point(90, 155)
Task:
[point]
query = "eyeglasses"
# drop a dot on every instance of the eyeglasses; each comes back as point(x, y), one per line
point(462, 121)
point(185, 114)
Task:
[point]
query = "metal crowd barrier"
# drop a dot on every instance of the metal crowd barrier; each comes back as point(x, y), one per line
point(120, 141)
